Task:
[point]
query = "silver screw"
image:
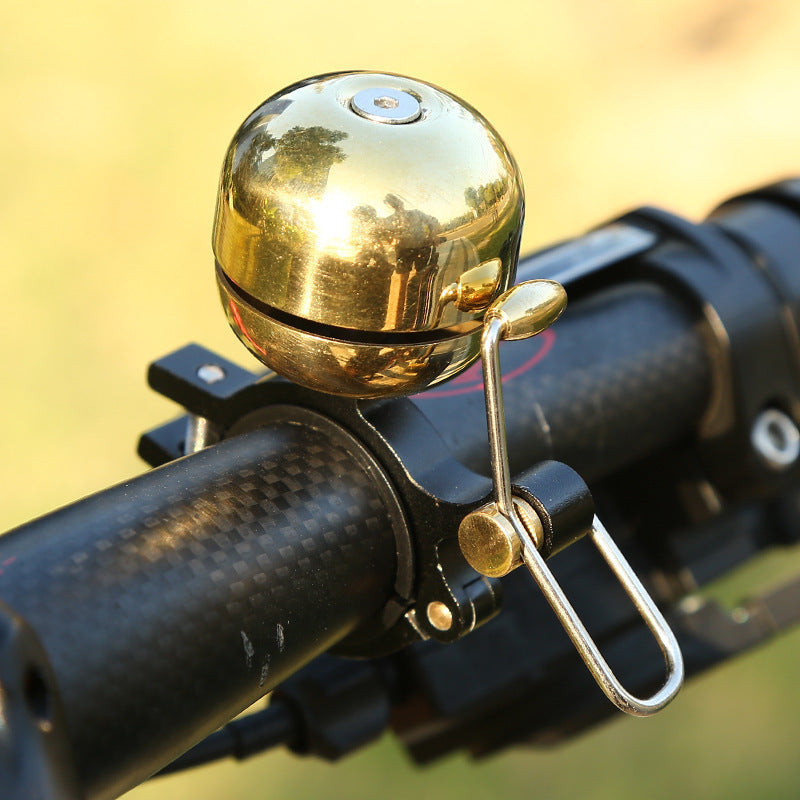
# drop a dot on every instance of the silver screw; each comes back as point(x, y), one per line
point(391, 106)
point(776, 439)
point(200, 433)
point(211, 373)
point(439, 615)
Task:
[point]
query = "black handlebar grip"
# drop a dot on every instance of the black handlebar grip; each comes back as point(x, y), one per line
point(169, 603)
point(624, 372)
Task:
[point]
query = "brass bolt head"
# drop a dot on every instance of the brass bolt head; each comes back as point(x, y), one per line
point(488, 541)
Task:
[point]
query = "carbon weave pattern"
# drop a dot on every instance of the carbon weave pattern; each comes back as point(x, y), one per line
point(169, 603)
point(613, 394)
point(627, 371)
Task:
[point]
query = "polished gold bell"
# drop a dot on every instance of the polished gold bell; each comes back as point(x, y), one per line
point(365, 222)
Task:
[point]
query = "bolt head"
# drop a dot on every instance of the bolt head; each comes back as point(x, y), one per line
point(439, 615)
point(211, 374)
point(391, 106)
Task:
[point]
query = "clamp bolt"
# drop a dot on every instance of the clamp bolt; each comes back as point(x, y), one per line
point(439, 615)
point(211, 373)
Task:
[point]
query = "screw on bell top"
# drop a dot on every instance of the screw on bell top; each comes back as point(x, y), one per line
point(365, 222)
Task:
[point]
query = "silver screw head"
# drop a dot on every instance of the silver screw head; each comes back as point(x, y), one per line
point(391, 106)
point(211, 373)
point(776, 439)
point(439, 615)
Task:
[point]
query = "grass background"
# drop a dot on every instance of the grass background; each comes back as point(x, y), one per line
point(115, 118)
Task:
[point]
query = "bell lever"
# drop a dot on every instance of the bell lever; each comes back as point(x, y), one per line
point(523, 311)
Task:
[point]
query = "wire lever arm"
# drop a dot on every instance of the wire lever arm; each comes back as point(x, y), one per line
point(507, 532)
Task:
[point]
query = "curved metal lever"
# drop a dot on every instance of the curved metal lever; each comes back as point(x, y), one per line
point(524, 311)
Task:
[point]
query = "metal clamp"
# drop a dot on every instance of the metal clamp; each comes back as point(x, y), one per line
point(523, 311)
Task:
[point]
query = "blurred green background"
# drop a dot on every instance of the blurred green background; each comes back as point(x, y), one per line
point(115, 118)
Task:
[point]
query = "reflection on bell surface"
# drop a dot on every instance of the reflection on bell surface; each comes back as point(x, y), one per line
point(365, 222)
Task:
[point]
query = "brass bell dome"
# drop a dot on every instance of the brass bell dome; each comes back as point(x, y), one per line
point(364, 223)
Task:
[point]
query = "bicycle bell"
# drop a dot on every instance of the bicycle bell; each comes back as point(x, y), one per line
point(365, 222)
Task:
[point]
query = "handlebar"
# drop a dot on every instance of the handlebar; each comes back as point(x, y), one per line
point(623, 372)
point(171, 602)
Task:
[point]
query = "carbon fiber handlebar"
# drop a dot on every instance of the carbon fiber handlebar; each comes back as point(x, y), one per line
point(171, 602)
